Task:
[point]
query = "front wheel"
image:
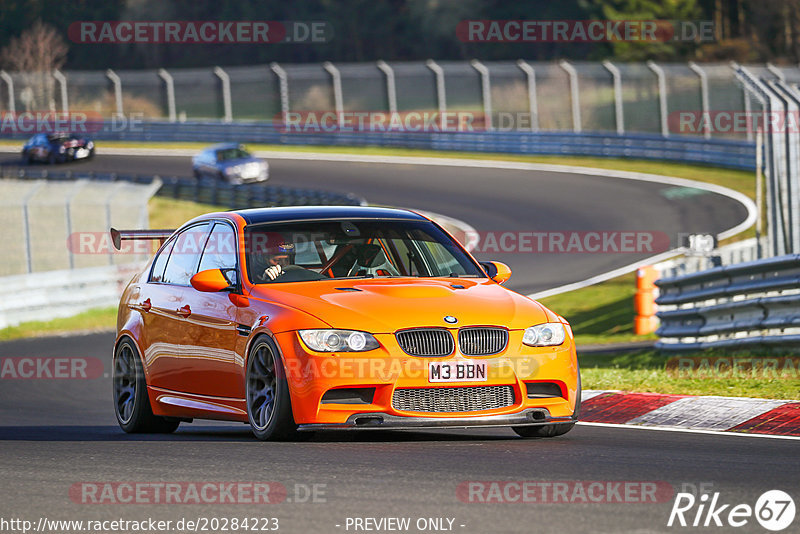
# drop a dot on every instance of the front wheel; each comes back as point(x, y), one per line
point(269, 407)
point(131, 402)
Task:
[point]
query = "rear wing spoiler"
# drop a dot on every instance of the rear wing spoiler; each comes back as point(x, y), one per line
point(118, 236)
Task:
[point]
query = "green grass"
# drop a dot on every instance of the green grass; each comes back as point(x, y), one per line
point(170, 213)
point(645, 371)
point(94, 320)
point(602, 313)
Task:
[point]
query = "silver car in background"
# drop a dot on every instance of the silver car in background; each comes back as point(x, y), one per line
point(230, 162)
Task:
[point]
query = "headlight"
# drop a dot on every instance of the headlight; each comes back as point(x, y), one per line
point(338, 340)
point(231, 170)
point(544, 335)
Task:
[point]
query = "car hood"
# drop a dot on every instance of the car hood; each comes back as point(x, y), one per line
point(387, 305)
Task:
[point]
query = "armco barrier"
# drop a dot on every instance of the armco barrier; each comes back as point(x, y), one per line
point(206, 191)
point(686, 149)
point(44, 296)
point(753, 303)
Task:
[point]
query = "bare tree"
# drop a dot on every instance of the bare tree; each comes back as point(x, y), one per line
point(35, 54)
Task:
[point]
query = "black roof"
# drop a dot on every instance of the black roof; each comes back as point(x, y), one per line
point(304, 213)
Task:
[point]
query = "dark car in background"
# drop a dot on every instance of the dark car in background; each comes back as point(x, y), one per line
point(230, 162)
point(57, 148)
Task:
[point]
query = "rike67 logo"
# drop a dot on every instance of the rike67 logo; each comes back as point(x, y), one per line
point(774, 510)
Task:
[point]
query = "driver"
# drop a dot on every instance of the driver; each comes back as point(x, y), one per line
point(277, 264)
point(277, 261)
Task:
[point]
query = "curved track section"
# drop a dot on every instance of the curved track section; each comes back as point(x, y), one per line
point(510, 201)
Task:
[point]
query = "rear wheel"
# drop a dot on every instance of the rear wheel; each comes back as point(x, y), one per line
point(551, 431)
point(131, 402)
point(269, 407)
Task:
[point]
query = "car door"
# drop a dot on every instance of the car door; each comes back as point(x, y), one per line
point(203, 163)
point(165, 297)
point(211, 327)
point(38, 148)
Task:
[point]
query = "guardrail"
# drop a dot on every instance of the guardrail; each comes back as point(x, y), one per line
point(687, 149)
point(46, 295)
point(206, 191)
point(753, 303)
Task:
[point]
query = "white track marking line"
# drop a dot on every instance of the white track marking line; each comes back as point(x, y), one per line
point(688, 430)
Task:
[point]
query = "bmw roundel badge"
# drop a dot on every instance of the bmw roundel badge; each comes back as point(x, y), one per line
point(450, 319)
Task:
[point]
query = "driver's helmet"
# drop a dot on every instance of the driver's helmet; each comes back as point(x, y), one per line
point(283, 254)
point(264, 246)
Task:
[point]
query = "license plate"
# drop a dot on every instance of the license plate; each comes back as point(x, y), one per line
point(458, 371)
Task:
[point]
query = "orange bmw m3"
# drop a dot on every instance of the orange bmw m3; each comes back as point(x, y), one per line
point(301, 319)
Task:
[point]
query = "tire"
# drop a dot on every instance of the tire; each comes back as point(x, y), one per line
point(131, 402)
point(269, 406)
point(551, 431)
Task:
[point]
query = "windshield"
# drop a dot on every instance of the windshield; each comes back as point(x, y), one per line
point(322, 250)
point(229, 154)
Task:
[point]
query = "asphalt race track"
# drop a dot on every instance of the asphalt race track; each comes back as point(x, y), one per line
point(59, 435)
point(496, 201)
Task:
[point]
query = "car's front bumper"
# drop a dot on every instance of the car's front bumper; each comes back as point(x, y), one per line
point(388, 369)
point(384, 421)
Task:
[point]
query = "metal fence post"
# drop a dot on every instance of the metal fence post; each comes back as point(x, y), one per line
point(574, 94)
point(169, 84)
point(773, 159)
point(533, 104)
point(486, 91)
point(10, 83)
point(62, 83)
point(778, 73)
point(703, 98)
point(759, 193)
point(26, 230)
point(80, 184)
point(112, 193)
point(791, 97)
point(618, 111)
point(441, 96)
point(283, 83)
point(226, 93)
point(391, 88)
point(111, 75)
point(338, 101)
point(662, 96)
